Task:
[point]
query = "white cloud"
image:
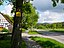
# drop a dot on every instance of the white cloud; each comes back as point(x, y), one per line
point(7, 9)
point(50, 17)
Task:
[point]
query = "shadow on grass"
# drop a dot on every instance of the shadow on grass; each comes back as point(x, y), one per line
point(5, 42)
point(48, 44)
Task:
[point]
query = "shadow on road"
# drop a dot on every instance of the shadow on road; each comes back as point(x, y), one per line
point(31, 43)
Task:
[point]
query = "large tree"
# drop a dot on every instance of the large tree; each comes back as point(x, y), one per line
point(16, 32)
point(29, 18)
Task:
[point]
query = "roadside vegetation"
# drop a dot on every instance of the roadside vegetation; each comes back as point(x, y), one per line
point(57, 30)
point(47, 42)
point(32, 32)
point(53, 27)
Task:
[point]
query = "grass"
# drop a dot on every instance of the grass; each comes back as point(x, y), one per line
point(6, 43)
point(57, 30)
point(47, 42)
point(32, 32)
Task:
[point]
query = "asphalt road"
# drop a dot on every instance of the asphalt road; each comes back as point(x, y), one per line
point(53, 35)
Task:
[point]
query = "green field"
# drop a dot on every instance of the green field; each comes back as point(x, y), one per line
point(47, 42)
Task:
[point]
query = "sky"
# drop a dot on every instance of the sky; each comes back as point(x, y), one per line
point(47, 13)
point(6, 8)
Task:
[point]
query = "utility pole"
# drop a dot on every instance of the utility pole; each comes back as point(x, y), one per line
point(16, 33)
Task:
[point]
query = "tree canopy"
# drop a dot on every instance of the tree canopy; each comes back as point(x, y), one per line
point(30, 17)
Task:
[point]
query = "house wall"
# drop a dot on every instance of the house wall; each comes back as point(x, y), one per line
point(3, 22)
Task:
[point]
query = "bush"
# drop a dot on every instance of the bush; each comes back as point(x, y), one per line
point(41, 27)
point(5, 30)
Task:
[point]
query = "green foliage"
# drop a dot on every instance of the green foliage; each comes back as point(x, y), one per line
point(32, 32)
point(11, 18)
point(0, 3)
point(40, 27)
point(62, 1)
point(30, 16)
point(56, 1)
point(23, 30)
point(54, 25)
point(47, 42)
point(5, 30)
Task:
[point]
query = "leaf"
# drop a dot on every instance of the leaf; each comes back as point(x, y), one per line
point(62, 1)
point(54, 4)
point(57, 1)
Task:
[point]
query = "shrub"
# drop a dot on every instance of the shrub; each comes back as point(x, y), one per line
point(5, 30)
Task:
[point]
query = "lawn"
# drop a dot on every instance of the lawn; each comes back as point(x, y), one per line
point(47, 42)
point(6, 43)
point(32, 32)
point(57, 30)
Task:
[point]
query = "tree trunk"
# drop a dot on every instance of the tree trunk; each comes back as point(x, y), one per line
point(16, 34)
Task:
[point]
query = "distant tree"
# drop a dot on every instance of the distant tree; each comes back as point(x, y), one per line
point(54, 26)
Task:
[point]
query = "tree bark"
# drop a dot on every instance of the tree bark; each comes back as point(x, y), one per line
point(16, 34)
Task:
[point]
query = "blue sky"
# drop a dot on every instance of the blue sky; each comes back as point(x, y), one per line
point(47, 13)
point(2, 6)
point(6, 8)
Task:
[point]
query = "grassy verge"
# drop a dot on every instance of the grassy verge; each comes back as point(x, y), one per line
point(32, 32)
point(57, 30)
point(47, 42)
point(6, 43)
